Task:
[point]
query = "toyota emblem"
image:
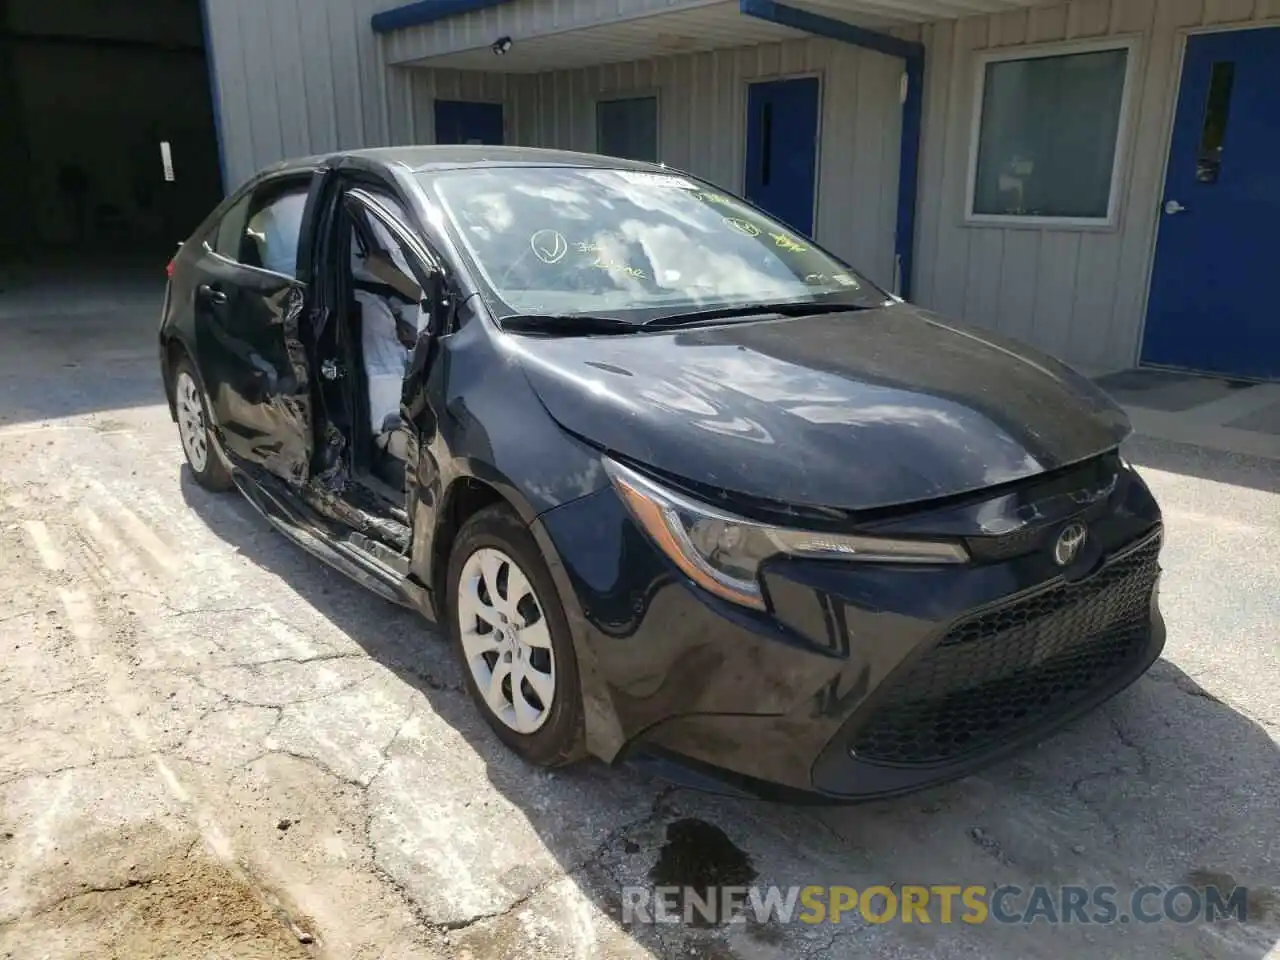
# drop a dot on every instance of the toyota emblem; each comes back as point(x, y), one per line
point(1069, 542)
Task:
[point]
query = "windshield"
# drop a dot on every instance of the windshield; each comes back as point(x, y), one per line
point(631, 244)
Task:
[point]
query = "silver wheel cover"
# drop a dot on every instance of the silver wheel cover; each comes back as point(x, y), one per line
point(506, 640)
point(191, 425)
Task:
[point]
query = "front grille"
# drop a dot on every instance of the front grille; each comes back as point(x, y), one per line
point(1013, 667)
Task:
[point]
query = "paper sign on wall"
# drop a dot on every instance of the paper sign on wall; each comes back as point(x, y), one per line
point(166, 159)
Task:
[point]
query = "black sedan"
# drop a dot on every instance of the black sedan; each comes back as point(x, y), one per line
point(685, 488)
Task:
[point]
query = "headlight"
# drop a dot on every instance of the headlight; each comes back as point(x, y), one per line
point(722, 553)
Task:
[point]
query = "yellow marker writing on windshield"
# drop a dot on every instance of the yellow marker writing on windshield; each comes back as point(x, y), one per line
point(635, 273)
point(549, 246)
point(719, 198)
point(745, 227)
point(788, 243)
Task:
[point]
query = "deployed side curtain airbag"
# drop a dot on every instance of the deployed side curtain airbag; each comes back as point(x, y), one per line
point(385, 357)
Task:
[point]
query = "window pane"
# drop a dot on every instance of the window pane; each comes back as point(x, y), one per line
point(231, 229)
point(628, 128)
point(271, 238)
point(1214, 132)
point(1047, 141)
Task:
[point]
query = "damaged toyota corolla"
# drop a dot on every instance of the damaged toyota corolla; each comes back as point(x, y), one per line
point(684, 488)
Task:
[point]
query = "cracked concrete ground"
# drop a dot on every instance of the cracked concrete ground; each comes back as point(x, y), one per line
point(213, 746)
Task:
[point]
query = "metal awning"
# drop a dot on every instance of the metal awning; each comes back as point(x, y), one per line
point(563, 34)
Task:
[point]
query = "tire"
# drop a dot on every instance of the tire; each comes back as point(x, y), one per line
point(494, 543)
point(199, 446)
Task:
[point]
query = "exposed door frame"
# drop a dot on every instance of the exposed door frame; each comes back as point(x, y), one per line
point(1182, 34)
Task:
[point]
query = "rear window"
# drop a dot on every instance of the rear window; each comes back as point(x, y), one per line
point(271, 236)
point(263, 228)
point(230, 230)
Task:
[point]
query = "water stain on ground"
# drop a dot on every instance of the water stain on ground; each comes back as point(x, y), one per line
point(198, 908)
point(1261, 904)
point(701, 860)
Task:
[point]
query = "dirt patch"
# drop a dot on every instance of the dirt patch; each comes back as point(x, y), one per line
point(198, 909)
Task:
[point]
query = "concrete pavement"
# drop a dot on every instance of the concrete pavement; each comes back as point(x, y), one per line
point(213, 746)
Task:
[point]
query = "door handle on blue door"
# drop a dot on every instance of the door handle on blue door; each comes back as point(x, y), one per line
point(216, 297)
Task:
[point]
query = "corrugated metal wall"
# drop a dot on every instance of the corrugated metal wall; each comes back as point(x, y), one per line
point(296, 77)
point(518, 18)
point(291, 84)
point(1080, 294)
point(702, 123)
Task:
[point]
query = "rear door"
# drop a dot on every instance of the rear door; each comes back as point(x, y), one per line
point(249, 303)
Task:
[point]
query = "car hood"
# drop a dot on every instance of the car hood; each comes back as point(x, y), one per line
point(855, 410)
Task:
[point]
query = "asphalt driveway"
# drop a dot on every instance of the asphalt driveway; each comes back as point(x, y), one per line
point(213, 746)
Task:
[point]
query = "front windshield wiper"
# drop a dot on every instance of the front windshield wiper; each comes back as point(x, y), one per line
point(567, 324)
point(784, 308)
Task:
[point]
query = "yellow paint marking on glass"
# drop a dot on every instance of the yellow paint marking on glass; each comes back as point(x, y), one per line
point(718, 198)
point(549, 246)
point(745, 227)
point(788, 243)
point(612, 266)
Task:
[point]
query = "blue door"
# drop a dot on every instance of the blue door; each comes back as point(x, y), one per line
point(1213, 304)
point(467, 121)
point(782, 149)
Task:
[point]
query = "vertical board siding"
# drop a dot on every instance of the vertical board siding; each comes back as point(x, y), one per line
point(519, 18)
point(308, 76)
point(1080, 294)
point(702, 124)
point(298, 77)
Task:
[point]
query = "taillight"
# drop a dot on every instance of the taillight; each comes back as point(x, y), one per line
point(168, 269)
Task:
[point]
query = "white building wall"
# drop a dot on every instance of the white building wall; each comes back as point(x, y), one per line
point(296, 77)
point(1078, 293)
point(290, 84)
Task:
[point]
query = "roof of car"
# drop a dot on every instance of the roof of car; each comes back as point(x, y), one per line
point(446, 157)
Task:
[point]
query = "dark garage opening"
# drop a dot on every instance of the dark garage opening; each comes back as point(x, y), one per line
point(89, 92)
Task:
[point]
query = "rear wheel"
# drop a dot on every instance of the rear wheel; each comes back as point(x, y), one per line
point(511, 635)
point(193, 429)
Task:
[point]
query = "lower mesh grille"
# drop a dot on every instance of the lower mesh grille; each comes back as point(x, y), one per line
point(1014, 667)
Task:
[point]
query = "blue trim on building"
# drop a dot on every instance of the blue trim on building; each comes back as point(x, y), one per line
point(827, 27)
point(426, 11)
point(215, 99)
point(912, 108)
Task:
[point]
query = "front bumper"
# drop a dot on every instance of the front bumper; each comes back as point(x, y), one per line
point(862, 680)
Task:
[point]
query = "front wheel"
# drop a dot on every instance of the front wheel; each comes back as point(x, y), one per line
point(193, 429)
point(509, 630)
